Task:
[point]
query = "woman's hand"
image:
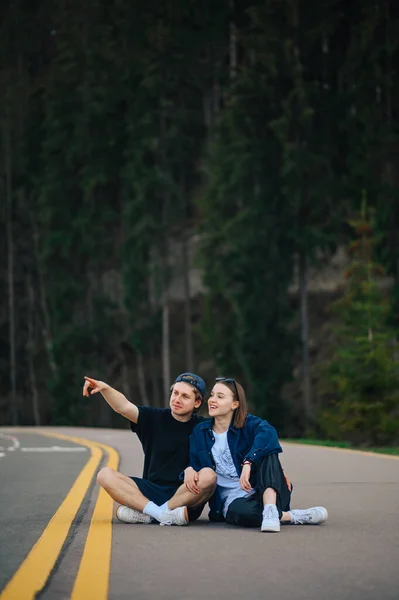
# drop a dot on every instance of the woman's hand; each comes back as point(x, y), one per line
point(287, 481)
point(244, 479)
point(191, 478)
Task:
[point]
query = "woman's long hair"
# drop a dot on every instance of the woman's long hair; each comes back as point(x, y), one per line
point(240, 413)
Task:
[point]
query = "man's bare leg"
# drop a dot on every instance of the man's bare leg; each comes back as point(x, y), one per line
point(124, 490)
point(206, 484)
point(121, 488)
point(174, 512)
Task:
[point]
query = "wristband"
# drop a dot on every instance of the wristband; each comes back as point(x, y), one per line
point(246, 462)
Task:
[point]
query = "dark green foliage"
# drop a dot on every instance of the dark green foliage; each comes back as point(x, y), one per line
point(242, 252)
point(363, 375)
point(128, 128)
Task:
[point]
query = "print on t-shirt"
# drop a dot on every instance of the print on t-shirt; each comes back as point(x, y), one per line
point(228, 480)
point(225, 465)
point(222, 457)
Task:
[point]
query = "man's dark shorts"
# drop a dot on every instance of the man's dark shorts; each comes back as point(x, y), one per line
point(159, 494)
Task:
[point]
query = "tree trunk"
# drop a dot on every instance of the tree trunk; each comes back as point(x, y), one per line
point(232, 43)
point(155, 398)
point(31, 351)
point(303, 287)
point(388, 65)
point(10, 270)
point(141, 378)
point(154, 366)
point(165, 345)
point(46, 330)
point(188, 336)
point(165, 267)
point(125, 372)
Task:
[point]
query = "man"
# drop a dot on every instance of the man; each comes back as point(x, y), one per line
point(164, 434)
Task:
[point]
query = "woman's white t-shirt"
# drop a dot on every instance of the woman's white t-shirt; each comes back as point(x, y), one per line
point(228, 479)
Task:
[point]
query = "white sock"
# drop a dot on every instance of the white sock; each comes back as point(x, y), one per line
point(267, 505)
point(153, 510)
point(297, 512)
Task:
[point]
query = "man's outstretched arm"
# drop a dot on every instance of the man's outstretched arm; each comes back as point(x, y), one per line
point(117, 401)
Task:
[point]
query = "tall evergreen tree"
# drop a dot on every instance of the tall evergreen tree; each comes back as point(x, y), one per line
point(363, 375)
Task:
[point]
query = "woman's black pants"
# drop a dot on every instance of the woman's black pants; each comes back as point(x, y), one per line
point(247, 512)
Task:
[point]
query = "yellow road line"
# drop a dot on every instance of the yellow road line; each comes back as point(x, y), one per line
point(92, 581)
point(335, 449)
point(33, 573)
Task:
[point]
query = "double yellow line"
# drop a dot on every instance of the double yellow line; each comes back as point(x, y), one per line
point(92, 580)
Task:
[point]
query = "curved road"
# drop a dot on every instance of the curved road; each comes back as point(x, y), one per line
point(49, 490)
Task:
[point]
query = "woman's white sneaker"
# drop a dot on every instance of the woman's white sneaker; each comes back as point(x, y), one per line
point(270, 521)
point(317, 515)
point(129, 515)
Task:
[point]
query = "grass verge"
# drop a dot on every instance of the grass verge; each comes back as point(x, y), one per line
point(392, 450)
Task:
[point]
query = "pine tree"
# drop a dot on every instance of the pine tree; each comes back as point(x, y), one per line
point(363, 375)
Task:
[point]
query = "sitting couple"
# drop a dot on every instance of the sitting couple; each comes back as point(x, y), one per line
point(229, 460)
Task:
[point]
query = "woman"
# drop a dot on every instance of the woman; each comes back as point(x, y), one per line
point(252, 489)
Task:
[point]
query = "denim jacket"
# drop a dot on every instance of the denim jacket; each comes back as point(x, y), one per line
point(252, 442)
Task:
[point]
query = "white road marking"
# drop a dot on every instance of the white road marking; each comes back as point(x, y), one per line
point(12, 439)
point(55, 449)
point(17, 446)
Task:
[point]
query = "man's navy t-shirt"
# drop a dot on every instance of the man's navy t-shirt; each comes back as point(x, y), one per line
point(165, 444)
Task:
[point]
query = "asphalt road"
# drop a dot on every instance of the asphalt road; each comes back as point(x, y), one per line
point(355, 555)
point(35, 478)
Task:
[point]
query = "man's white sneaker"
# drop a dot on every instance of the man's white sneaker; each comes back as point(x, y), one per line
point(128, 515)
point(270, 521)
point(177, 516)
point(309, 516)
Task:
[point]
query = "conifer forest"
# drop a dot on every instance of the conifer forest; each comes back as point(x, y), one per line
point(207, 186)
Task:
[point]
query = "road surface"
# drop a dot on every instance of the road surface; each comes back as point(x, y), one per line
point(58, 535)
